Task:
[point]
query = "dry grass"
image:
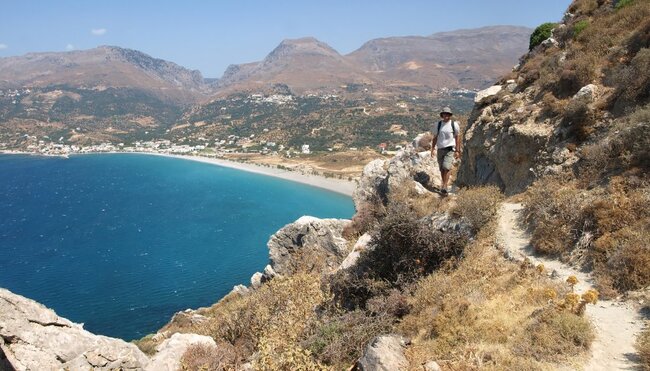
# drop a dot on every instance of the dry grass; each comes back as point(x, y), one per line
point(478, 205)
point(643, 347)
point(201, 357)
point(478, 316)
point(338, 340)
point(552, 210)
point(267, 322)
point(611, 223)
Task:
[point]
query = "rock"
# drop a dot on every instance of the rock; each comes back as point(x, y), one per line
point(36, 338)
point(432, 366)
point(587, 93)
point(492, 90)
point(170, 351)
point(362, 244)
point(503, 150)
point(240, 290)
point(384, 353)
point(256, 280)
point(268, 273)
point(419, 189)
point(372, 184)
point(550, 42)
point(422, 142)
point(383, 177)
point(308, 235)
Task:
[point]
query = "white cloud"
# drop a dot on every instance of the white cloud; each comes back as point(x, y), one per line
point(98, 31)
point(3, 46)
point(69, 47)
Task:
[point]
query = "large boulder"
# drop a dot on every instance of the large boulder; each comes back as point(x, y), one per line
point(382, 177)
point(384, 353)
point(507, 143)
point(318, 240)
point(170, 351)
point(33, 337)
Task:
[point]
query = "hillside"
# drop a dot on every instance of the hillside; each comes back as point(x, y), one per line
point(467, 59)
point(457, 59)
point(102, 68)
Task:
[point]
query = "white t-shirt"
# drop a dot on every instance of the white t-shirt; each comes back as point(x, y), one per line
point(446, 135)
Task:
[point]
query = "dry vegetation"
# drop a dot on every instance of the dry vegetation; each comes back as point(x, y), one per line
point(597, 216)
point(458, 299)
point(643, 347)
point(602, 218)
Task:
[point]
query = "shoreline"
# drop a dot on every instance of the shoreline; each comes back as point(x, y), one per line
point(340, 186)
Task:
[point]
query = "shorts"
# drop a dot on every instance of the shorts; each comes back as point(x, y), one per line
point(446, 158)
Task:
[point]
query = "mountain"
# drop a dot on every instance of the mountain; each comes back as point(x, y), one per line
point(463, 58)
point(103, 67)
point(460, 59)
point(302, 64)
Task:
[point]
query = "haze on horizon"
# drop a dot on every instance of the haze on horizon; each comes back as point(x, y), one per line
point(210, 36)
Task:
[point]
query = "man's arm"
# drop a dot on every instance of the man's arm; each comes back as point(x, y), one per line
point(458, 149)
point(433, 144)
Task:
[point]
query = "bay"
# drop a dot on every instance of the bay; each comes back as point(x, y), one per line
point(120, 242)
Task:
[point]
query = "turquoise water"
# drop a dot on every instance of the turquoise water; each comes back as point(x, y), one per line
point(120, 242)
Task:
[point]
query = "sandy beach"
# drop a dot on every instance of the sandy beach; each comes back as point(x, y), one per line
point(335, 185)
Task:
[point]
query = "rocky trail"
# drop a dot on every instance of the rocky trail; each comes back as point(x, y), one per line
point(617, 323)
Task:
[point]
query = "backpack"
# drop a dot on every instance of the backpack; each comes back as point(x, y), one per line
point(453, 127)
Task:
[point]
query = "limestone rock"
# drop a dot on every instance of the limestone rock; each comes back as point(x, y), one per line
point(256, 280)
point(383, 177)
point(371, 187)
point(308, 235)
point(35, 338)
point(492, 90)
point(432, 366)
point(422, 142)
point(170, 351)
point(362, 244)
point(503, 150)
point(587, 93)
point(384, 353)
point(240, 290)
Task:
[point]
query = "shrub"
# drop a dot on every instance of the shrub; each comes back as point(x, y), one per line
point(406, 248)
point(553, 208)
point(632, 82)
point(580, 119)
point(365, 219)
point(541, 33)
point(623, 3)
point(628, 256)
point(579, 27)
point(555, 334)
point(202, 357)
point(578, 71)
point(643, 347)
point(478, 205)
point(338, 340)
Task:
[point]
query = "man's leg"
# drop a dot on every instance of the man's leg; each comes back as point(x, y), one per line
point(445, 177)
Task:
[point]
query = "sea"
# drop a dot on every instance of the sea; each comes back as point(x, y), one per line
point(120, 242)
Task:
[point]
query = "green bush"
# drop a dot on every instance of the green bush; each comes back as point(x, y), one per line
point(579, 27)
point(622, 3)
point(540, 34)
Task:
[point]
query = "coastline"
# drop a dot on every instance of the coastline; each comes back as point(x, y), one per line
point(335, 185)
point(340, 186)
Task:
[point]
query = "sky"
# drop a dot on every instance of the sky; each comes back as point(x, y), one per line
point(210, 35)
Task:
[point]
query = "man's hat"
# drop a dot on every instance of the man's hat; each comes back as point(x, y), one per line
point(446, 110)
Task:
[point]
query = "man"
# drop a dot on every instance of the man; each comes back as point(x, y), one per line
point(446, 140)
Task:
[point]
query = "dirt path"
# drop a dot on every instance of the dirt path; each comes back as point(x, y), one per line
point(617, 323)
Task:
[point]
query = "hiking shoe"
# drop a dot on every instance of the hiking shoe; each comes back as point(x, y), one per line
point(444, 191)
